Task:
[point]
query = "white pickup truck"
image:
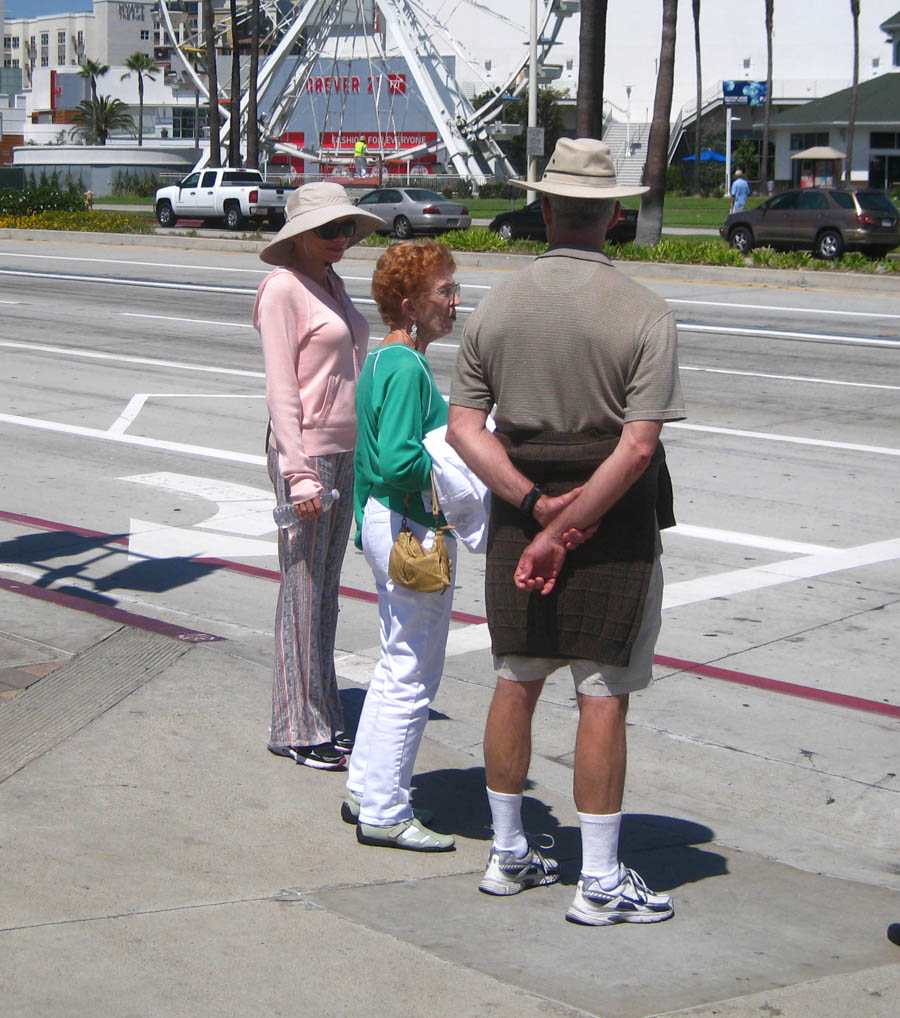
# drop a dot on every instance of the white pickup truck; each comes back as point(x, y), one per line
point(235, 195)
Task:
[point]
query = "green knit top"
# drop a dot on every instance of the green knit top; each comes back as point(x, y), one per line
point(397, 403)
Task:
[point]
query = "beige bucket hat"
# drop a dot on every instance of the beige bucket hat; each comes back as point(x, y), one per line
point(315, 205)
point(580, 168)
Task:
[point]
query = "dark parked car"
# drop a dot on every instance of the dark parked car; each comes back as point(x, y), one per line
point(825, 220)
point(409, 210)
point(528, 222)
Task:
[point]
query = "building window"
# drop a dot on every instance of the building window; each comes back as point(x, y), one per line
point(884, 139)
point(45, 49)
point(799, 142)
point(60, 47)
point(145, 34)
point(183, 121)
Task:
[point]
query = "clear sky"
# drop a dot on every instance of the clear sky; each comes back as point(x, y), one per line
point(35, 8)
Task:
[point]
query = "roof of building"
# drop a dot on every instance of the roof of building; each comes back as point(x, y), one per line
point(891, 23)
point(877, 102)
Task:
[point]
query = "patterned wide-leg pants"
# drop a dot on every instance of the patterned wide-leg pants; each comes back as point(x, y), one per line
point(306, 706)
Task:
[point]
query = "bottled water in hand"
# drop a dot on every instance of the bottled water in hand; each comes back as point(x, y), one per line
point(285, 515)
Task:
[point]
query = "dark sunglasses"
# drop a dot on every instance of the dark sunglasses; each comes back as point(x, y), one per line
point(329, 231)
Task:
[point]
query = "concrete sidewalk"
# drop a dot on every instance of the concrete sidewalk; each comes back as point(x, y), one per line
point(156, 860)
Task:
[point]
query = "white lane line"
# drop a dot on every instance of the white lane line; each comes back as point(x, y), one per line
point(147, 443)
point(772, 307)
point(136, 404)
point(204, 267)
point(155, 362)
point(10, 302)
point(120, 425)
point(803, 337)
point(879, 450)
point(128, 261)
point(66, 351)
point(750, 540)
point(787, 378)
point(190, 321)
point(741, 581)
point(146, 283)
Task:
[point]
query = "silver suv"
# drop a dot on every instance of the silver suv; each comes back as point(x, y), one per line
point(825, 220)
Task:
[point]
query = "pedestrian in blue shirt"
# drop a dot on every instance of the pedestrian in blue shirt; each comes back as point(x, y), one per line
point(740, 191)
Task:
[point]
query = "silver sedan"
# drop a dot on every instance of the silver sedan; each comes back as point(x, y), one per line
point(410, 210)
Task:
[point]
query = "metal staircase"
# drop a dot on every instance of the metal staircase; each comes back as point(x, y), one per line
point(628, 148)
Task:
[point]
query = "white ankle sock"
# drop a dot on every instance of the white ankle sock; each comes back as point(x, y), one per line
point(600, 847)
point(506, 815)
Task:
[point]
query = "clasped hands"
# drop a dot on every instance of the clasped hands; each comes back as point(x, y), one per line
point(540, 563)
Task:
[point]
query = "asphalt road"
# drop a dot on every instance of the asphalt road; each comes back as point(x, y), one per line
point(133, 405)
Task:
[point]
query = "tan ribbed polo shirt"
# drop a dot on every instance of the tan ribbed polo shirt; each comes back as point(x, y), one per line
point(570, 344)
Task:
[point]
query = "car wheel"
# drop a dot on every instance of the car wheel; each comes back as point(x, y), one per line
point(403, 228)
point(164, 214)
point(233, 217)
point(829, 244)
point(741, 239)
point(506, 232)
point(276, 220)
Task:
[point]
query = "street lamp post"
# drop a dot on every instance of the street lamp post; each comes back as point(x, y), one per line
point(729, 117)
point(531, 174)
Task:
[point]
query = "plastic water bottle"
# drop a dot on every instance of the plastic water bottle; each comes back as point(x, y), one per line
point(285, 515)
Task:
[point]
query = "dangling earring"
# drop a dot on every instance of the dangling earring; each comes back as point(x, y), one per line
point(413, 332)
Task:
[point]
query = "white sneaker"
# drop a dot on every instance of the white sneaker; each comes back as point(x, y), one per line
point(630, 901)
point(508, 873)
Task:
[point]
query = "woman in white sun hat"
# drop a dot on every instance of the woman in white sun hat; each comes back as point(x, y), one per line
point(314, 342)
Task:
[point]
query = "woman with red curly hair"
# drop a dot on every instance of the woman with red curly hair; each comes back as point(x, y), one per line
point(397, 403)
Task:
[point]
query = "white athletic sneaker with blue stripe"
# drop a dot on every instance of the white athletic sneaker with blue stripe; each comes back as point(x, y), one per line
point(630, 901)
point(508, 873)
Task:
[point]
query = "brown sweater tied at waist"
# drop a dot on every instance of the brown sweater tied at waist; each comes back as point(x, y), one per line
point(596, 607)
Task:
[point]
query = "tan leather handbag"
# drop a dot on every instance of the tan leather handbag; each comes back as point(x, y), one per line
point(414, 568)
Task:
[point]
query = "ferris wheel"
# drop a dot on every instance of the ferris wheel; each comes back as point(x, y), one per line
point(377, 66)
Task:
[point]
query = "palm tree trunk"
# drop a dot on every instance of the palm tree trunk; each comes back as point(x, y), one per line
point(252, 115)
point(851, 123)
point(591, 66)
point(234, 124)
point(764, 160)
point(649, 227)
point(140, 78)
point(697, 61)
point(212, 78)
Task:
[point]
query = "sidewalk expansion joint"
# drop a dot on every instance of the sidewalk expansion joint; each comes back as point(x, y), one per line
point(135, 913)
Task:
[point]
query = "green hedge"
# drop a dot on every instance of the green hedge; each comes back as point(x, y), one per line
point(43, 198)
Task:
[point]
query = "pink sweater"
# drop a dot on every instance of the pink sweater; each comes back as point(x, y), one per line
point(312, 361)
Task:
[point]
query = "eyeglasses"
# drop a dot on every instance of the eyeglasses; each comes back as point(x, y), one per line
point(346, 227)
point(449, 291)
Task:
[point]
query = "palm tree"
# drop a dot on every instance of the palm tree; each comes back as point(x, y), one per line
point(764, 164)
point(851, 123)
point(252, 115)
point(212, 82)
point(649, 228)
point(96, 118)
point(234, 124)
point(696, 6)
point(141, 64)
point(591, 66)
point(93, 70)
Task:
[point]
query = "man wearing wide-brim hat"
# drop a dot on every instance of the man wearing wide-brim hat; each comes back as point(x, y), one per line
point(580, 363)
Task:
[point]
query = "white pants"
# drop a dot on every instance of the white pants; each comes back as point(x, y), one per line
point(413, 631)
